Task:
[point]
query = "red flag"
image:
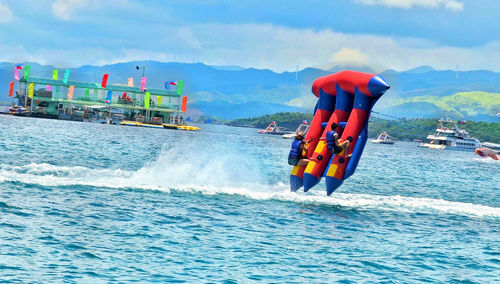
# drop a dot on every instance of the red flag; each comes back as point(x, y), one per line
point(184, 104)
point(11, 89)
point(104, 80)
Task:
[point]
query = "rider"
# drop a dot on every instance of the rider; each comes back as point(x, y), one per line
point(334, 144)
point(297, 155)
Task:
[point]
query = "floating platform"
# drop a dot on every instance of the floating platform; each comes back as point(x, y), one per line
point(163, 125)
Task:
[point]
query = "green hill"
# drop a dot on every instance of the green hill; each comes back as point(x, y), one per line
point(469, 105)
point(404, 129)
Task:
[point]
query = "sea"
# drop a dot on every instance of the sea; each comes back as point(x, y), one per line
point(92, 203)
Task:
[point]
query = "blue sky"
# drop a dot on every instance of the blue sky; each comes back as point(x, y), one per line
point(278, 35)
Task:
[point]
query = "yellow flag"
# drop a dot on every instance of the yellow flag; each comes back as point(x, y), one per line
point(71, 90)
point(159, 99)
point(31, 89)
point(130, 82)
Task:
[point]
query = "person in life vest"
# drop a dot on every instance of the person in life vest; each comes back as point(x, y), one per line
point(297, 155)
point(334, 144)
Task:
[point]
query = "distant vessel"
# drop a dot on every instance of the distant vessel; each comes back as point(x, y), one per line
point(491, 150)
point(383, 138)
point(274, 129)
point(451, 138)
point(302, 128)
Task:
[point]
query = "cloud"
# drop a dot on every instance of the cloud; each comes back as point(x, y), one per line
point(267, 46)
point(352, 57)
point(408, 4)
point(64, 8)
point(5, 14)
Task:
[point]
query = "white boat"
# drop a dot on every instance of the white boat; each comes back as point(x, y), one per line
point(273, 129)
point(302, 128)
point(383, 138)
point(451, 138)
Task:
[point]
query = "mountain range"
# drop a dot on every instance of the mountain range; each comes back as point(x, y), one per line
point(230, 92)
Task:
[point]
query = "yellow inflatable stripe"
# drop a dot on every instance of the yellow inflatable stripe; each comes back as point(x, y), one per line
point(310, 167)
point(319, 147)
point(295, 170)
point(331, 170)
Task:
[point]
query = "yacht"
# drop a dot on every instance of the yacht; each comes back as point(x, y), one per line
point(451, 138)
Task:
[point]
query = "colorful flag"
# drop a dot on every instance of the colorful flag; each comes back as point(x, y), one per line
point(304, 121)
point(16, 74)
point(184, 104)
point(109, 96)
point(31, 90)
point(146, 99)
point(130, 82)
point(104, 80)
point(179, 87)
point(463, 121)
point(143, 83)
point(55, 74)
point(169, 84)
point(48, 88)
point(11, 89)
point(27, 70)
point(66, 76)
point(71, 91)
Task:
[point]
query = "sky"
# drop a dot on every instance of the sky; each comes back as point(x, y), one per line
point(278, 35)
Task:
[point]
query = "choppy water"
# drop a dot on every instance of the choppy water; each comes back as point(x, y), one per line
point(96, 203)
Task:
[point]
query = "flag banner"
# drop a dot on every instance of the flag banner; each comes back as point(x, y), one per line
point(171, 85)
point(55, 75)
point(105, 80)
point(146, 99)
point(31, 90)
point(159, 100)
point(87, 94)
point(16, 74)
point(27, 70)
point(130, 82)
point(66, 76)
point(48, 88)
point(11, 89)
point(143, 83)
point(184, 104)
point(180, 84)
point(109, 97)
point(71, 91)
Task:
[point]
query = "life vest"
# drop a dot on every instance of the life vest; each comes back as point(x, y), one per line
point(330, 141)
point(295, 153)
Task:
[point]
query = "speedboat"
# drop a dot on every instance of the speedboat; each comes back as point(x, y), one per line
point(451, 138)
point(303, 128)
point(383, 138)
point(491, 150)
point(273, 128)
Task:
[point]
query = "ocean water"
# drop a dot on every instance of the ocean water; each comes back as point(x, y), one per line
point(92, 203)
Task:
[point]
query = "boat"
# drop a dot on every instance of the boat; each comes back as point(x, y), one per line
point(303, 128)
point(383, 138)
point(162, 125)
point(451, 138)
point(273, 129)
point(490, 150)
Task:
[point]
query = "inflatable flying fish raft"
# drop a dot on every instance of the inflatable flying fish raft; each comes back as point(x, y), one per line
point(345, 98)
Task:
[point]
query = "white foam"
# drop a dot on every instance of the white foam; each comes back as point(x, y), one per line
point(215, 177)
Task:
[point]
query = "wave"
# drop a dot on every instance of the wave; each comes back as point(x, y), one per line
point(210, 181)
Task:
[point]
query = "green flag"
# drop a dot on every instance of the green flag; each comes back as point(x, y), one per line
point(87, 91)
point(146, 100)
point(27, 72)
point(55, 74)
point(179, 87)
